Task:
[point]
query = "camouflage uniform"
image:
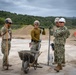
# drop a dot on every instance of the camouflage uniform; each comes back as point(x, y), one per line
point(66, 36)
point(55, 52)
point(6, 43)
point(61, 34)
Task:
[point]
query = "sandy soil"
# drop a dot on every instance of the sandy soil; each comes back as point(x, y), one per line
point(21, 39)
point(23, 44)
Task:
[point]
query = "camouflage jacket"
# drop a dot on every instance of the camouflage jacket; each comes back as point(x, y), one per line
point(6, 33)
point(61, 34)
point(53, 29)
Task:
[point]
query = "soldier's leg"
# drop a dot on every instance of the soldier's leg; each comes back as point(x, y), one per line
point(55, 56)
point(60, 53)
point(55, 53)
point(4, 51)
point(33, 46)
point(38, 45)
point(60, 57)
point(5, 59)
point(3, 47)
point(9, 47)
point(63, 57)
point(63, 61)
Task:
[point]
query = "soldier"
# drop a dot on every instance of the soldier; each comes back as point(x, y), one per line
point(66, 36)
point(35, 36)
point(61, 34)
point(54, 28)
point(6, 34)
point(56, 24)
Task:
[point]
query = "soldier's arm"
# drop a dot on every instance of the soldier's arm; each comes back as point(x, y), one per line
point(53, 30)
point(3, 31)
point(68, 33)
point(33, 37)
point(62, 32)
point(59, 32)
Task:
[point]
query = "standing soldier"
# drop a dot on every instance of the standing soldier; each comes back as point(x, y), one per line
point(66, 36)
point(35, 36)
point(6, 34)
point(61, 34)
point(55, 28)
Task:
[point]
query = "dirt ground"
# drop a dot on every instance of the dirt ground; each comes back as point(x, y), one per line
point(21, 40)
point(23, 44)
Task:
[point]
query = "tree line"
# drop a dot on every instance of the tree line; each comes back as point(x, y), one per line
point(20, 20)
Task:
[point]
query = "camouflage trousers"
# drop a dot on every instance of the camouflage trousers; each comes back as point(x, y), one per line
point(35, 46)
point(63, 61)
point(55, 56)
point(4, 48)
point(59, 53)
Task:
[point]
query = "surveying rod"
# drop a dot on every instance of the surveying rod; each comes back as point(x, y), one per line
point(7, 48)
point(49, 47)
point(48, 44)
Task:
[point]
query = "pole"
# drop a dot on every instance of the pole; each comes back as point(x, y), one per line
point(7, 48)
point(49, 48)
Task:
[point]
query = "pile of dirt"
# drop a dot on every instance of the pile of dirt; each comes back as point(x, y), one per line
point(24, 33)
point(26, 30)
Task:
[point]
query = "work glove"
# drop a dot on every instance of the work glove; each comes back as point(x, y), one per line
point(43, 29)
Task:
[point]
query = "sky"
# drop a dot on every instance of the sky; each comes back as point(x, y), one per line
point(43, 8)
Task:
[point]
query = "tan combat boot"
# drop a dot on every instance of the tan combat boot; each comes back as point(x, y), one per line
point(58, 67)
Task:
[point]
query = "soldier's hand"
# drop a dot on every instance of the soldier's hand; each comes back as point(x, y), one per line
point(43, 28)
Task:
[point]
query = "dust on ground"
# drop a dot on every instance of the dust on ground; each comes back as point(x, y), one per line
point(23, 44)
point(21, 39)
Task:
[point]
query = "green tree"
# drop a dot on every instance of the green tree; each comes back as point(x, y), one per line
point(1, 21)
